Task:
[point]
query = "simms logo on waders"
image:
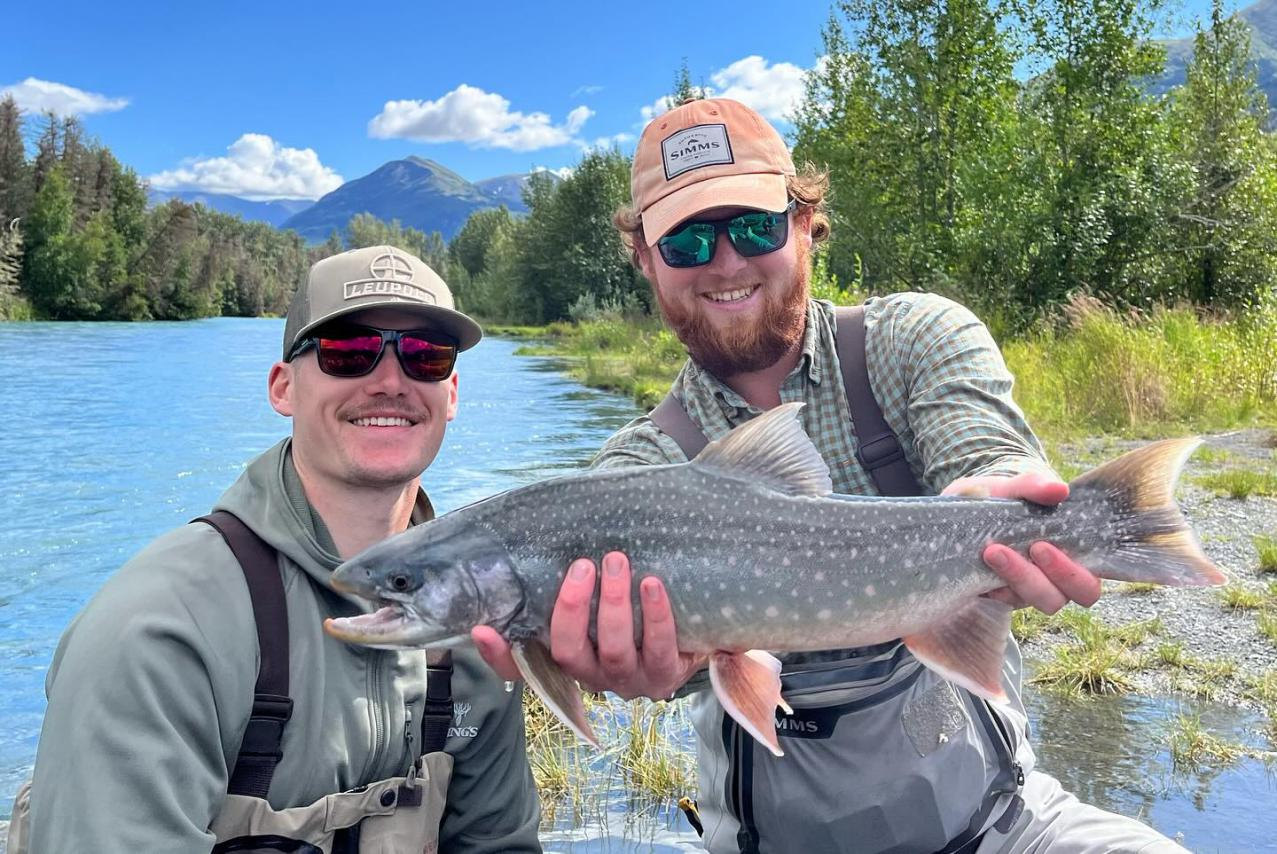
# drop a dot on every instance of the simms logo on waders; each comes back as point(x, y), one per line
point(390, 275)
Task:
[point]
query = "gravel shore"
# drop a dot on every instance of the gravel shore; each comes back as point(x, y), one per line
point(1196, 618)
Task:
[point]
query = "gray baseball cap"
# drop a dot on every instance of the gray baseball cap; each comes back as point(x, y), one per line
point(375, 277)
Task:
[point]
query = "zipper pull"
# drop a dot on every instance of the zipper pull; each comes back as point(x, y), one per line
point(411, 780)
point(1019, 774)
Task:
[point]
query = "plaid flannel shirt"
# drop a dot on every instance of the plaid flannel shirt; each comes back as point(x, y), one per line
point(936, 373)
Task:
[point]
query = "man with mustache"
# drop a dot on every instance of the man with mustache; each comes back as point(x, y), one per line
point(196, 703)
point(882, 754)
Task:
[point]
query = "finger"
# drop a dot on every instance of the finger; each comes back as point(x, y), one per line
point(1025, 579)
point(570, 621)
point(1041, 489)
point(662, 667)
point(614, 626)
point(967, 488)
point(495, 651)
point(1072, 579)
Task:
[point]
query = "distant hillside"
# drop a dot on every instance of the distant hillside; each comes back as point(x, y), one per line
point(1262, 17)
point(274, 212)
point(505, 190)
point(419, 193)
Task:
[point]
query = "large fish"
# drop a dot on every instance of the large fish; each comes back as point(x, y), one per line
point(757, 554)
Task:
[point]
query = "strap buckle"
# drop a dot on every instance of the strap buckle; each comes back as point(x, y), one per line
point(882, 450)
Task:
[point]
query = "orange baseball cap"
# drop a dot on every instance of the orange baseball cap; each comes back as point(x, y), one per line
point(708, 153)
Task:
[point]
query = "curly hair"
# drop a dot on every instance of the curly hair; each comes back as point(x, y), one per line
point(807, 189)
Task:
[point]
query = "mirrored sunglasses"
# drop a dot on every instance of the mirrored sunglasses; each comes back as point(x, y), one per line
point(354, 351)
point(756, 233)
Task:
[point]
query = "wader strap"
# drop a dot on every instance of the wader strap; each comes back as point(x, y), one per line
point(437, 713)
point(272, 707)
point(671, 416)
point(877, 447)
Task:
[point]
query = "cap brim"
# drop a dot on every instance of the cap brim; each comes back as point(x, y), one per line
point(763, 191)
point(454, 323)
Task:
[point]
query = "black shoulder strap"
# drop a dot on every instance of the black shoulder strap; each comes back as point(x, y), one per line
point(437, 713)
point(672, 418)
point(877, 448)
point(272, 707)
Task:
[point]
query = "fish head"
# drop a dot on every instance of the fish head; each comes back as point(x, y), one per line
point(431, 585)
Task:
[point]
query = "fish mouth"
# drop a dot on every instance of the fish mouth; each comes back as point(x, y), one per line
point(391, 626)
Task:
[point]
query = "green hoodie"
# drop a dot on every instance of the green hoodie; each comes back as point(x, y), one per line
point(151, 686)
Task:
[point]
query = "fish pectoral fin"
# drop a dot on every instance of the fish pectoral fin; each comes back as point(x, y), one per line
point(748, 686)
point(969, 647)
point(773, 451)
point(557, 690)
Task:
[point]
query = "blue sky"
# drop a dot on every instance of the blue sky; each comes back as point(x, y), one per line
point(265, 100)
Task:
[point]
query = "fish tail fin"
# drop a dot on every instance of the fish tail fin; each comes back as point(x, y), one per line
point(1154, 541)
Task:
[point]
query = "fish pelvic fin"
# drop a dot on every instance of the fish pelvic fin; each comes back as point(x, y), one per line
point(748, 686)
point(559, 692)
point(772, 450)
point(1155, 543)
point(969, 647)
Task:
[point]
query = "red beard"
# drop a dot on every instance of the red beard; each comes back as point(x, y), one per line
point(748, 345)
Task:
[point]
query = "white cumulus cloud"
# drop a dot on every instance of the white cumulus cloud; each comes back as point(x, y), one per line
point(483, 119)
point(774, 90)
point(255, 167)
point(38, 96)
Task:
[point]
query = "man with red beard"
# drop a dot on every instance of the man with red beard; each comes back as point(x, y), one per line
point(881, 753)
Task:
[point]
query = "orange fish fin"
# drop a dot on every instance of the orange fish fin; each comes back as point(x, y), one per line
point(968, 649)
point(557, 690)
point(748, 686)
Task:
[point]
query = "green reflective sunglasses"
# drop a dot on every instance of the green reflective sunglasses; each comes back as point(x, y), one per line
point(752, 234)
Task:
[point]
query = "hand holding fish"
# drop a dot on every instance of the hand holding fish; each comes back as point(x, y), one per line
point(615, 663)
point(1048, 579)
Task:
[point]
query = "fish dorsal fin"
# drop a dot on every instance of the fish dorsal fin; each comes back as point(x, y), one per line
point(772, 450)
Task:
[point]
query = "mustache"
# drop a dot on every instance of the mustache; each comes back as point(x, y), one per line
point(384, 408)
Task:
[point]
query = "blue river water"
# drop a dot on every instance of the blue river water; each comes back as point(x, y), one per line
point(118, 432)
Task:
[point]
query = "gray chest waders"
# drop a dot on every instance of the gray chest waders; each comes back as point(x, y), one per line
point(401, 814)
point(879, 452)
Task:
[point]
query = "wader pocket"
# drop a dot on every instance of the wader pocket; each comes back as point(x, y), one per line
point(387, 817)
point(933, 718)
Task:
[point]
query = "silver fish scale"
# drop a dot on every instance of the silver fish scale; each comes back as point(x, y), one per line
point(746, 566)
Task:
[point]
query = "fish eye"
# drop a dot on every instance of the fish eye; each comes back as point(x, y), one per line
point(400, 582)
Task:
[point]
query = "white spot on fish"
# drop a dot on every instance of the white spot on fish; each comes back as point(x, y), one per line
point(728, 611)
point(869, 590)
point(820, 576)
point(784, 561)
point(696, 619)
point(772, 611)
point(824, 614)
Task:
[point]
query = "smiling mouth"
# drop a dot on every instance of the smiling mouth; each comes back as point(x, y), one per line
point(382, 421)
point(732, 296)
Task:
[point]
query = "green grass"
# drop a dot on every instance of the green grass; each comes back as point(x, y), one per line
point(1241, 483)
point(1209, 456)
point(1266, 546)
point(1166, 371)
point(1192, 745)
point(1100, 658)
point(1267, 625)
point(1137, 588)
point(1095, 371)
point(1240, 598)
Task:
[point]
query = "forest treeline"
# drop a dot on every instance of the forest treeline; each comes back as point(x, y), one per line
point(1012, 154)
